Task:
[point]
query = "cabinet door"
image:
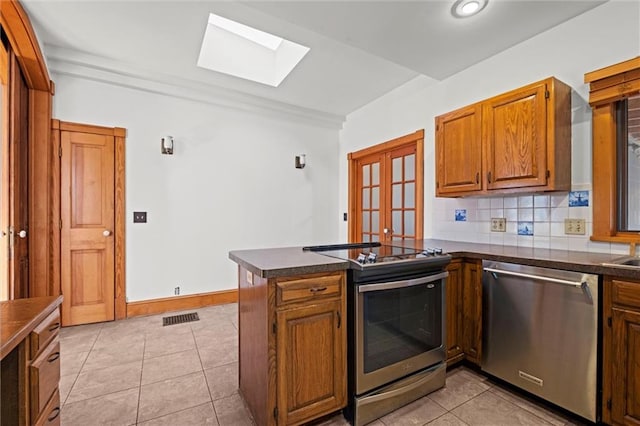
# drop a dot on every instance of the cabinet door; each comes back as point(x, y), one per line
point(625, 403)
point(311, 362)
point(472, 311)
point(459, 151)
point(514, 131)
point(454, 312)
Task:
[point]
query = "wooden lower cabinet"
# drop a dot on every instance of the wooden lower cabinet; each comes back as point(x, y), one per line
point(464, 311)
point(621, 357)
point(472, 311)
point(292, 337)
point(454, 312)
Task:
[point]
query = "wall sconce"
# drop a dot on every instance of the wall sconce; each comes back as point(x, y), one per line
point(301, 161)
point(166, 145)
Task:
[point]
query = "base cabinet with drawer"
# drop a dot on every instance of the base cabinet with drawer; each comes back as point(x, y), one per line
point(292, 355)
point(30, 365)
point(621, 357)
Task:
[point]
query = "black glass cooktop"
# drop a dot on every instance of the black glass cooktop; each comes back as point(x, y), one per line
point(370, 254)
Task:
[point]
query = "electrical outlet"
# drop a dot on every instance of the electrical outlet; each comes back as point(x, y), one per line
point(498, 224)
point(176, 291)
point(575, 226)
point(139, 217)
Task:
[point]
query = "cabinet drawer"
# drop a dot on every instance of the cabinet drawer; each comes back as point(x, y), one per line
point(45, 332)
point(625, 293)
point(50, 416)
point(309, 289)
point(44, 376)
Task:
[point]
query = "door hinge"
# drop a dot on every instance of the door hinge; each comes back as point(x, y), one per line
point(274, 327)
point(60, 223)
point(275, 413)
point(60, 151)
point(609, 322)
point(339, 319)
point(609, 404)
point(546, 94)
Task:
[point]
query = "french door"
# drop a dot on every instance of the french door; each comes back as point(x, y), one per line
point(386, 191)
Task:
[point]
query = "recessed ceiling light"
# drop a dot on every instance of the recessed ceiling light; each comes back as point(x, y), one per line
point(466, 8)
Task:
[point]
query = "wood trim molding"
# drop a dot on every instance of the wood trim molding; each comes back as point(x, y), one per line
point(16, 24)
point(387, 146)
point(120, 221)
point(612, 70)
point(54, 209)
point(177, 303)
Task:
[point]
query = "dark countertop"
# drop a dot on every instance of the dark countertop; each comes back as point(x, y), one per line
point(278, 262)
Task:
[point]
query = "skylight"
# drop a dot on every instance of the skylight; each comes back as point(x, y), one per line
point(236, 49)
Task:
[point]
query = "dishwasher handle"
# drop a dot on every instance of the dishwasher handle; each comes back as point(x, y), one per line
point(535, 277)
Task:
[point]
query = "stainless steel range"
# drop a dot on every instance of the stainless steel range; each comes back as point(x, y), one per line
point(396, 332)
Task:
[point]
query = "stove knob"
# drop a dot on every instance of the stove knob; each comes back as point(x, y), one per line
point(437, 250)
point(362, 258)
point(372, 258)
point(430, 251)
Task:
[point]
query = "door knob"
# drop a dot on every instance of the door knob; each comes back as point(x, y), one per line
point(22, 234)
point(106, 232)
point(385, 230)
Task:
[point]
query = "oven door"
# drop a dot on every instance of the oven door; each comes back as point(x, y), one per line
point(399, 329)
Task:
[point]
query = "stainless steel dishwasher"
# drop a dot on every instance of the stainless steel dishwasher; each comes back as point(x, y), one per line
point(540, 333)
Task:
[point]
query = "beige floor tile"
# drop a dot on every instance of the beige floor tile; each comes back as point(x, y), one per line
point(168, 342)
point(530, 406)
point(461, 386)
point(200, 415)
point(231, 411)
point(218, 354)
point(447, 419)
point(65, 385)
point(77, 343)
point(71, 363)
point(112, 340)
point(489, 409)
point(170, 366)
point(106, 380)
point(87, 330)
point(117, 408)
point(107, 356)
point(418, 412)
point(222, 380)
point(172, 395)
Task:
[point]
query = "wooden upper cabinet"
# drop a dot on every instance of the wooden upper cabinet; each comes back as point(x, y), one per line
point(458, 142)
point(519, 141)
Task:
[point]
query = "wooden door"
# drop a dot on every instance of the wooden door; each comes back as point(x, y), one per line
point(15, 183)
point(4, 172)
point(386, 191)
point(459, 151)
point(625, 407)
point(311, 362)
point(453, 291)
point(87, 236)
point(514, 132)
point(472, 311)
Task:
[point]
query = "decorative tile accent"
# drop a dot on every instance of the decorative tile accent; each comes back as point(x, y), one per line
point(461, 215)
point(578, 198)
point(525, 228)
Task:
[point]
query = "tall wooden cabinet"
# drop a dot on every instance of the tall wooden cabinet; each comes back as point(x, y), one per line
point(292, 334)
point(519, 141)
point(621, 354)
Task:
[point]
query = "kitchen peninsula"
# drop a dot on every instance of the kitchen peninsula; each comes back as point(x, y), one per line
point(280, 349)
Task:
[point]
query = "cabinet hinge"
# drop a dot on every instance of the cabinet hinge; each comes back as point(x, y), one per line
point(60, 224)
point(546, 94)
point(274, 327)
point(548, 174)
point(437, 184)
point(275, 413)
point(609, 404)
point(609, 322)
point(60, 151)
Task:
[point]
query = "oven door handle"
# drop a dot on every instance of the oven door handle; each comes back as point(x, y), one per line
point(402, 284)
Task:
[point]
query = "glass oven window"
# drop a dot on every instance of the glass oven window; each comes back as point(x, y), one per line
point(400, 324)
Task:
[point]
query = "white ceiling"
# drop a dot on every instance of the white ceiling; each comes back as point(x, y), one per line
point(360, 50)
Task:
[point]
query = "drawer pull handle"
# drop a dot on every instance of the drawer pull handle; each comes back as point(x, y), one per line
point(54, 413)
point(53, 357)
point(317, 289)
point(54, 327)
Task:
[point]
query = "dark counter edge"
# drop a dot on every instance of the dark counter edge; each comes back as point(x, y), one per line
point(309, 263)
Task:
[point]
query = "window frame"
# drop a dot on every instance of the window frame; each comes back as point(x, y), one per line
point(608, 86)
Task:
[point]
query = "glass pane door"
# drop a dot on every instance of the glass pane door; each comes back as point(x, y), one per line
point(370, 200)
point(403, 194)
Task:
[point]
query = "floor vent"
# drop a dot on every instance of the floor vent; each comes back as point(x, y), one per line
point(179, 319)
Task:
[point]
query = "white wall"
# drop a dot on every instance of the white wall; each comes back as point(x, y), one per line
point(231, 184)
point(603, 36)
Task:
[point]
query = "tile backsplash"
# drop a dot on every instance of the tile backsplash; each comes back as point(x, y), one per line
point(545, 213)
